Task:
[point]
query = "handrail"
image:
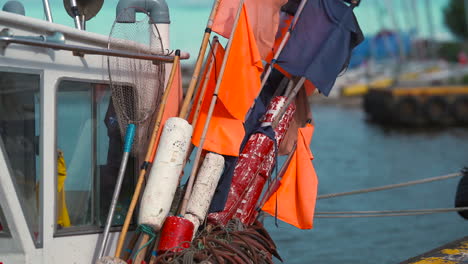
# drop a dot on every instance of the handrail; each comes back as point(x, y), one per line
point(82, 50)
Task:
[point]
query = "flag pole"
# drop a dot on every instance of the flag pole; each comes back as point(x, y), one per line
point(283, 42)
point(205, 84)
point(275, 184)
point(196, 72)
point(183, 206)
point(289, 100)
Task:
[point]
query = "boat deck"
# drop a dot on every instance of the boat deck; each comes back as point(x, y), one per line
point(452, 253)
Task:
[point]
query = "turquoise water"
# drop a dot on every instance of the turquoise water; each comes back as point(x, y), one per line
point(352, 154)
point(189, 17)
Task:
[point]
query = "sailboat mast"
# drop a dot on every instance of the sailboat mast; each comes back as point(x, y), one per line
point(430, 23)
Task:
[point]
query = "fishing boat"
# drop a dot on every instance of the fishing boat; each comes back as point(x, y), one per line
point(94, 131)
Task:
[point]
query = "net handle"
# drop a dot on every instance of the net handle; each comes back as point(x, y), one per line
point(149, 156)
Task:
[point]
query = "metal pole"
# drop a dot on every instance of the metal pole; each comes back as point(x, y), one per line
point(76, 14)
point(47, 11)
point(391, 9)
point(466, 16)
point(432, 48)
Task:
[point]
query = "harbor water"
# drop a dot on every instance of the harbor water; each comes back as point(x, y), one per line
point(352, 153)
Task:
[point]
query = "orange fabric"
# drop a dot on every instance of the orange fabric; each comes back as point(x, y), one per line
point(225, 133)
point(173, 103)
point(263, 17)
point(284, 24)
point(218, 50)
point(294, 201)
point(241, 80)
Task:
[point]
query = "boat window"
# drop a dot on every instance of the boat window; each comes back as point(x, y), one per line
point(89, 149)
point(19, 130)
point(3, 225)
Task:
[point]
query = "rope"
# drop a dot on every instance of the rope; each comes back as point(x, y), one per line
point(149, 231)
point(358, 214)
point(391, 186)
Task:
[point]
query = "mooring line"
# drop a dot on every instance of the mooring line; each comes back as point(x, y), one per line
point(409, 213)
point(383, 212)
point(391, 186)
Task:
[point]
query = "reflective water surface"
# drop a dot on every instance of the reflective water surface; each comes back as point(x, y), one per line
point(351, 153)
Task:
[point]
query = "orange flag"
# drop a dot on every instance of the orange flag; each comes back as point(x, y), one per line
point(294, 201)
point(225, 133)
point(263, 18)
point(241, 80)
point(173, 103)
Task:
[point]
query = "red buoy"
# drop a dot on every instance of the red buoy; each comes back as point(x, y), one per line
point(176, 234)
point(247, 207)
point(257, 157)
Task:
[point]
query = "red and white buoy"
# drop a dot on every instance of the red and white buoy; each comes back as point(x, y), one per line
point(253, 167)
point(178, 231)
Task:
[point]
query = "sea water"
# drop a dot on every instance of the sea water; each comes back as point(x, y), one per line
point(352, 153)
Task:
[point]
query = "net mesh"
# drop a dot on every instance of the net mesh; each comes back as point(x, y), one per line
point(136, 85)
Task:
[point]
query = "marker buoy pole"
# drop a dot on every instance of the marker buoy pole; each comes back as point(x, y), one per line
point(198, 64)
point(176, 222)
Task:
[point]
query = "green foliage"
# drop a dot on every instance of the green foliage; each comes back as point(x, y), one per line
point(454, 18)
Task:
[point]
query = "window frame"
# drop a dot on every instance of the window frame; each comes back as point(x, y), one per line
point(39, 243)
point(84, 230)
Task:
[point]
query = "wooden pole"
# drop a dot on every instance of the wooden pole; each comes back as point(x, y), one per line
point(131, 245)
point(283, 42)
point(205, 84)
point(291, 98)
point(198, 64)
point(275, 184)
point(141, 254)
point(149, 157)
point(188, 192)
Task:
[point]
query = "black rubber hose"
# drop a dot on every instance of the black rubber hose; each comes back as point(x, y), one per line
point(461, 197)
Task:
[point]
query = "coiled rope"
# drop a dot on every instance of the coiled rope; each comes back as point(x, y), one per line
point(391, 186)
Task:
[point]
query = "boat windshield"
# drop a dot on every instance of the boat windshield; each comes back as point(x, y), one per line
point(89, 150)
point(20, 137)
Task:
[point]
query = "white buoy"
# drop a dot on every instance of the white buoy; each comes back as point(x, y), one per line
point(164, 175)
point(110, 260)
point(195, 221)
point(205, 185)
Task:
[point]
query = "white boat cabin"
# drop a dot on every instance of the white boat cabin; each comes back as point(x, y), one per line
point(59, 149)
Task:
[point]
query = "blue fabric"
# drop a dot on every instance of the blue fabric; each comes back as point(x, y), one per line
point(321, 42)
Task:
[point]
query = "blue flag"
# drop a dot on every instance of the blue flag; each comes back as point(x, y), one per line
point(321, 42)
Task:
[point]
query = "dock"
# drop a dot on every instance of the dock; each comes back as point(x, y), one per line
point(452, 253)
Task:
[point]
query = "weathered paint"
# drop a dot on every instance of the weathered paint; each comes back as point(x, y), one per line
point(453, 253)
point(205, 185)
point(246, 211)
point(164, 176)
point(257, 156)
point(110, 260)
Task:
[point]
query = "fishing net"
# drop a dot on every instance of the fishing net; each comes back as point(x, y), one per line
point(235, 243)
point(136, 84)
